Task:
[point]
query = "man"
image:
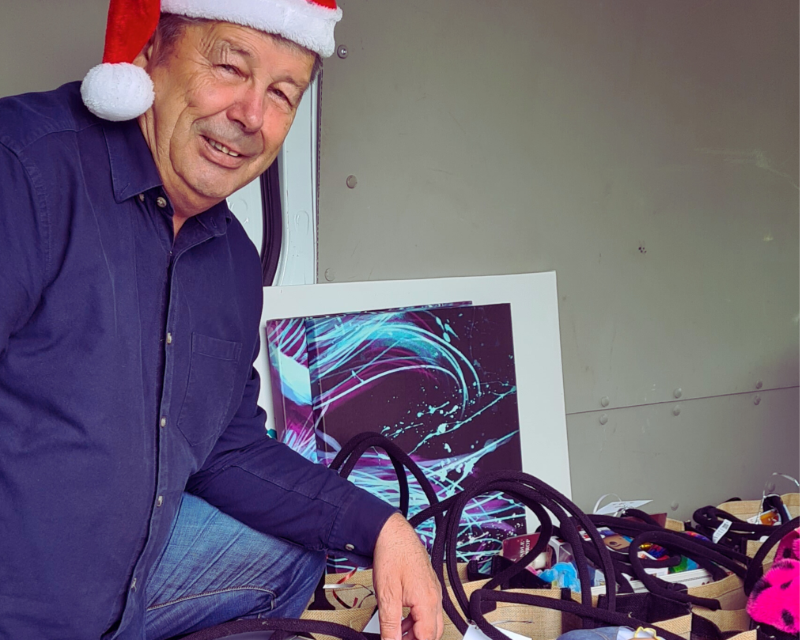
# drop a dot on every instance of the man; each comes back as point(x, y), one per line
point(139, 495)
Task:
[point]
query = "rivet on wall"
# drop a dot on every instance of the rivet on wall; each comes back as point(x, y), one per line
point(677, 393)
point(329, 275)
point(677, 410)
point(674, 506)
point(759, 384)
point(351, 182)
point(341, 51)
point(757, 400)
point(604, 401)
point(604, 419)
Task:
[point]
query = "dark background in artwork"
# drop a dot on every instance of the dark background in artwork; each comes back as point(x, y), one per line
point(411, 405)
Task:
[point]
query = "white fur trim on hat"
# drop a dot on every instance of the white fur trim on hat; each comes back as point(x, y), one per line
point(117, 92)
point(306, 23)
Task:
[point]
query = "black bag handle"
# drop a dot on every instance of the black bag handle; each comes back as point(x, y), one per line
point(694, 548)
point(755, 569)
point(288, 625)
point(709, 519)
point(349, 455)
point(449, 540)
point(618, 560)
point(624, 526)
point(536, 495)
point(631, 528)
point(480, 596)
point(443, 555)
point(646, 518)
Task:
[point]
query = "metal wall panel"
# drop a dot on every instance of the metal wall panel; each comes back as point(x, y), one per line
point(645, 151)
point(712, 450)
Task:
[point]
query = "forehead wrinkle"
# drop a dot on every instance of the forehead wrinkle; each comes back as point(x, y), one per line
point(225, 46)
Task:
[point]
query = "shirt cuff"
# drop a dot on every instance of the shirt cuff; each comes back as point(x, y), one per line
point(358, 523)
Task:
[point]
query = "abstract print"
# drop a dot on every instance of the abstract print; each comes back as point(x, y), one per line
point(438, 381)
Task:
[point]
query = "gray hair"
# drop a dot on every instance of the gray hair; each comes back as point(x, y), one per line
point(171, 26)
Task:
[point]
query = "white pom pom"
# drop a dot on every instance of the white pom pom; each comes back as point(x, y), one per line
point(117, 91)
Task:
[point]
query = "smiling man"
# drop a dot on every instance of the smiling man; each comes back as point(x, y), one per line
point(139, 495)
point(225, 98)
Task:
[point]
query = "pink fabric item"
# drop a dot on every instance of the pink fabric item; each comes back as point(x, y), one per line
point(775, 599)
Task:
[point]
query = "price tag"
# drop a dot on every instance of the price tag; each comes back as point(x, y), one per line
point(721, 531)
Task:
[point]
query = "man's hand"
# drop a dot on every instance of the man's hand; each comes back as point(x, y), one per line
point(403, 577)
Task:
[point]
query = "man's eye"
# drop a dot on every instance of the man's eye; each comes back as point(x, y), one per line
point(281, 96)
point(227, 68)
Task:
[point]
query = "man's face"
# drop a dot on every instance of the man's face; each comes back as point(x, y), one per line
point(225, 97)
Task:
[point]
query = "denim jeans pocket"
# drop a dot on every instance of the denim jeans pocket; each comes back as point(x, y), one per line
point(212, 375)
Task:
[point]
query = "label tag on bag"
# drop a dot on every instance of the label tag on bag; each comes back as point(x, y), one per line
point(612, 508)
point(721, 531)
point(473, 633)
point(374, 624)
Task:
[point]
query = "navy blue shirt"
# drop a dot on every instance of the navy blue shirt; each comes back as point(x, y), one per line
point(126, 378)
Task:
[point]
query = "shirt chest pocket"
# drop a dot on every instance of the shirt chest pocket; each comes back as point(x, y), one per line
point(212, 376)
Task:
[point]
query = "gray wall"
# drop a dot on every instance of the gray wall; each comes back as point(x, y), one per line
point(45, 43)
point(645, 151)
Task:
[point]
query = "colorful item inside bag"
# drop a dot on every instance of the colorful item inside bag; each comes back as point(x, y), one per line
point(610, 633)
point(775, 599)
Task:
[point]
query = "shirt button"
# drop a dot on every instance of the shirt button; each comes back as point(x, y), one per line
point(163, 422)
point(161, 202)
point(133, 584)
point(169, 338)
point(159, 501)
point(349, 547)
point(141, 197)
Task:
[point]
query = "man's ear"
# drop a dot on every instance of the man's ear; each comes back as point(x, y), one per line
point(145, 57)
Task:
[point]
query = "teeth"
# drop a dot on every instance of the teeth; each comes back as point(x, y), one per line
point(222, 147)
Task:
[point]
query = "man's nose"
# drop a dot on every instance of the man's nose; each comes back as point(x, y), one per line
point(248, 109)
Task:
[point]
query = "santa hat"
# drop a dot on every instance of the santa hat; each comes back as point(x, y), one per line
point(118, 90)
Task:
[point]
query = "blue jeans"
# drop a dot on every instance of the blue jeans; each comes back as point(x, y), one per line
point(215, 569)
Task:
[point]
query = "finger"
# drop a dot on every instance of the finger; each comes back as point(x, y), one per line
point(408, 625)
point(439, 624)
point(390, 612)
point(425, 621)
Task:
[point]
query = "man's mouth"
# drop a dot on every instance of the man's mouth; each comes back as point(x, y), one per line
point(221, 147)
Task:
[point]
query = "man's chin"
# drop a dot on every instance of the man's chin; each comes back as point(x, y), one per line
point(215, 189)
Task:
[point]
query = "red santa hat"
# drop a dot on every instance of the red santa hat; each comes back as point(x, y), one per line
point(118, 90)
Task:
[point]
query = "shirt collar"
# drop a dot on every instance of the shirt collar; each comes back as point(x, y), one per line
point(133, 171)
point(216, 219)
